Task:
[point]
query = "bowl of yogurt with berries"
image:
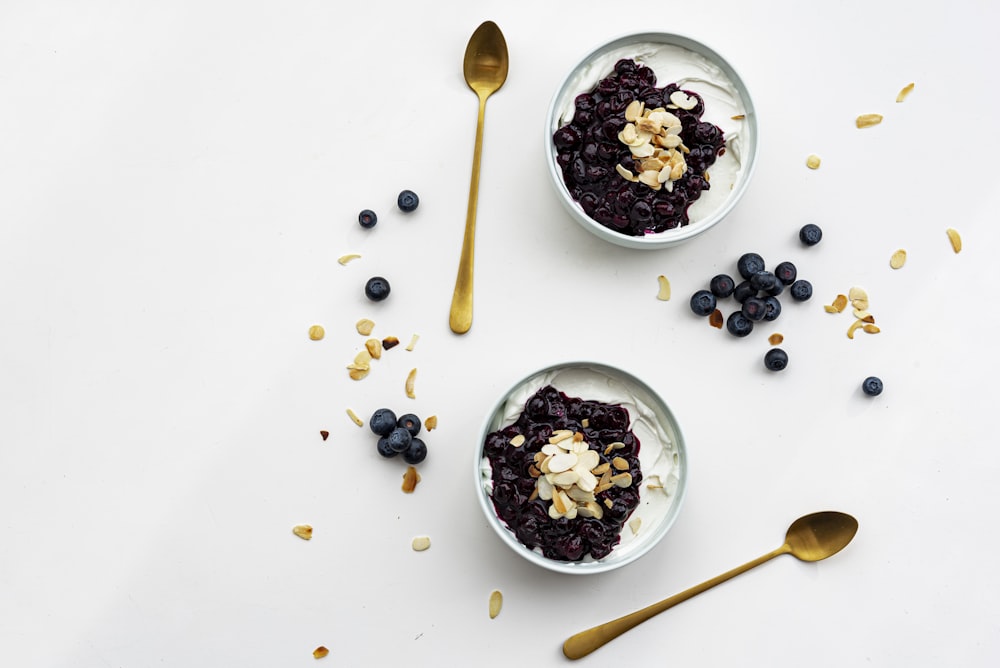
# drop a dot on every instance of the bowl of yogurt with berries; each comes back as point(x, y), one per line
point(651, 140)
point(580, 468)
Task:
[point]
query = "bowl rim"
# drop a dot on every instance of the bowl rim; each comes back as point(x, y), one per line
point(607, 564)
point(667, 238)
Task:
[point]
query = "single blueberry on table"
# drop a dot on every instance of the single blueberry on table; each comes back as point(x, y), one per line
point(722, 285)
point(801, 290)
point(410, 423)
point(377, 288)
point(407, 201)
point(416, 452)
point(754, 308)
point(744, 291)
point(872, 386)
point(749, 264)
point(384, 449)
point(367, 219)
point(399, 439)
point(738, 324)
point(786, 273)
point(775, 359)
point(382, 421)
point(810, 234)
point(703, 302)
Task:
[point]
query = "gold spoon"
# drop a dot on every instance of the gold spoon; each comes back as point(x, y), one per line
point(810, 538)
point(485, 71)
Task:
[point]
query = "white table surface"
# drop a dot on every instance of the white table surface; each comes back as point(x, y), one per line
point(177, 181)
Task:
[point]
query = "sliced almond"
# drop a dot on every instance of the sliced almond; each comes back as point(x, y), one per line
point(431, 422)
point(410, 380)
point(906, 90)
point(634, 525)
point(364, 326)
point(634, 110)
point(354, 417)
point(716, 319)
point(357, 374)
point(344, 259)
point(620, 464)
point(496, 603)
point(775, 339)
point(738, 117)
point(517, 441)
point(625, 174)
point(389, 342)
point(374, 348)
point(303, 531)
point(871, 329)
point(856, 294)
point(362, 360)
point(320, 652)
point(420, 543)
point(868, 120)
point(560, 435)
point(602, 469)
point(683, 101)
point(898, 259)
point(324, 434)
point(622, 479)
point(813, 162)
point(316, 332)
point(854, 327)
point(410, 480)
point(564, 461)
point(955, 239)
point(664, 294)
point(413, 342)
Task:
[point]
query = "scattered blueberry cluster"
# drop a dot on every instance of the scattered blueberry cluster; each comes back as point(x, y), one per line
point(377, 288)
point(398, 436)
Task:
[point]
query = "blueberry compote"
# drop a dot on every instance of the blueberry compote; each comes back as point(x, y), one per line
point(588, 151)
point(605, 428)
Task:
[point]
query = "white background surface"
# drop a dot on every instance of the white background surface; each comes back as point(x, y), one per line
point(177, 181)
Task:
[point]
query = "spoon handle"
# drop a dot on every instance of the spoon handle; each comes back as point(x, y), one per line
point(460, 318)
point(585, 642)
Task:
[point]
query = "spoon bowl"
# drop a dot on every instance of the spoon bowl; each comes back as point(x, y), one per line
point(810, 538)
point(485, 67)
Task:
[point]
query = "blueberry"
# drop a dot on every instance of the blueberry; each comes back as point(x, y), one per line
point(399, 439)
point(722, 285)
point(801, 290)
point(754, 308)
point(384, 449)
point(416, 452)
point(763, 281)
point(775, 359)
point(407, 201)
point(810, 234)
point(382, 421)
point(702, 302)
point(776, 289)
point(749, 264)
point(367, 219)
point(772, 308)
point(744, 291)
point(377, 288)
point(738, 324)
point(786, 272)
point(410, 423)
point(872, 386)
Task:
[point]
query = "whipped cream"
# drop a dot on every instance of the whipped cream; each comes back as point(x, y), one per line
point(691, 71)
point(659, 457)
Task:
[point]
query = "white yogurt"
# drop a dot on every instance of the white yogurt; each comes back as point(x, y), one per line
point(691, 71)
point(659, 457)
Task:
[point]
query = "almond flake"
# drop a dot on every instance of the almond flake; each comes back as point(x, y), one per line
point(813, 161)
point(625, 174)
point(715, 319)
point(838, 305)
point(354, 417)
point(664, 294)
point(775, 339)
point(431, 423)
point(955, 239)
point(868, 120)
point(364, 326)
point(898, 259)
point(634, 110)
point(496, 602)
point(420, 543)
point(303, 531)
point(871, 329)
point(374, 348)
point(413, 342)
point(738, 117)
point(854, 326)
point(357, 374)
point(410, 380)
point(324, 434)
point(320, 652)
point(634, 524)
point(517, 441)
point(560, 435)
point(620, 463)
point(906, 90)
point(316, 332)
point(389, 342)
point(410, 480)
point(856, 294)
point(344, 259)
point(622, 479)
point(683, 101)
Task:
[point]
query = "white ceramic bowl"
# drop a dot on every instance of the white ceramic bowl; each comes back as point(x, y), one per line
point(674, 59)
point(662, 458)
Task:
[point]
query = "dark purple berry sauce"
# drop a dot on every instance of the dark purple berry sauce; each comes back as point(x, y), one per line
point(588, 150)
point(527, 516)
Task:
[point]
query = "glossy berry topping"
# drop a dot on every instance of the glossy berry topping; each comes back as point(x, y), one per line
point(367, 219)
point(872, 386)
point(749, 264)
point(377, 288)
point(410, 423)
point(722, 285)
point(399, 439)
point(810, 234)
point(738, 324)
point(382, 421)
point(407, 201)
point(786, 273)
point(801, 290)
point(775, 359)
point(416, 452)
point(703, 302)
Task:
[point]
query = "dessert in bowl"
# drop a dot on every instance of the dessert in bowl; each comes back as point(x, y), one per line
point(651, 140)
point(581, 468)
